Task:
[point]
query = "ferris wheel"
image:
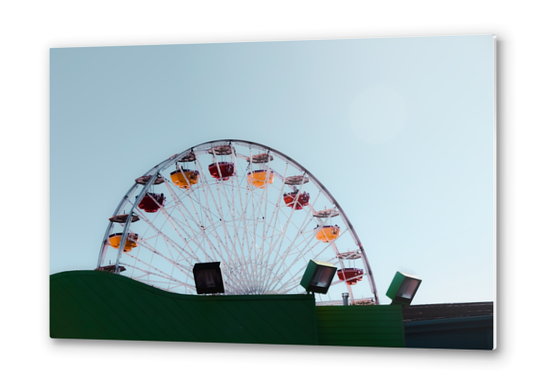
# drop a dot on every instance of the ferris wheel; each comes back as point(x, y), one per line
point(255, 210)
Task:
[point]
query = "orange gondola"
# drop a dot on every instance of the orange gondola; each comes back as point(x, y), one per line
point(261, 178)
point(328, 233)
point(131, 241)
point(184, 178)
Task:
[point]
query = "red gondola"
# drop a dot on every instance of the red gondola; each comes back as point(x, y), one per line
point(352, 275)
point(152, 202)
point(222, 170)
point(302, 199)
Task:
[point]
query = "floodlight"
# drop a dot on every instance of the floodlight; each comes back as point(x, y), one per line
point(208, 278)
point(403, 288)
point(318, 276)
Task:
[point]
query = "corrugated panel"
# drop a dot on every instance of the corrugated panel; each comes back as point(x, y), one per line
point(100, 305)
point(362, 326)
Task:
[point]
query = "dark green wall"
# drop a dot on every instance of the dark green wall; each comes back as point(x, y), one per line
point(100, 305)
point(368, 325)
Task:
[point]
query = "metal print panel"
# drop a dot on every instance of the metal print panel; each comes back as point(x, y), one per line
point(194, 186)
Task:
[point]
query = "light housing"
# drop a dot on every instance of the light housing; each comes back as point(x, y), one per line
point(208, 278)
point(403, 288)
point(318, 276)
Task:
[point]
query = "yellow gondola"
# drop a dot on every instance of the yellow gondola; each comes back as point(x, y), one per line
point(131, 241)
point(184, 178)
point(328, 233)
point(261, 178)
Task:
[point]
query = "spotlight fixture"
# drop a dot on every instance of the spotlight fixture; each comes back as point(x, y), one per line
point(403, 288)
point(318, 276)
point(208, 278)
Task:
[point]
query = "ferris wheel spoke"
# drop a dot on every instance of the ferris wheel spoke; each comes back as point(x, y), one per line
point(176, 264)
point(203, 229)
point(205, 186)
point(249, 220)
point(331, 260)
point(171, 261)
point(299, 232)
point(249, 223)
point(151, 268)
point(190, 255)
point(238, 275)
point(181, 208)
point(211, 228)
point(158, 274)
point(289, 222)
point(302, 232)
point(258, 249)
point(178, 204)
point(276, 210)
point(270, 238)
point(236, 242)
point(235, 282)
point(278, 206)
point(260, 256)
point(305, 239)
point(233, 212)
point(242, 264)
point(223, 221)
point(256, 206)
point(289, 286)
point(243, 212)
point(282, 238)
point(254, 214)
point(245, 239)
point(251, 267)
point(248, 235)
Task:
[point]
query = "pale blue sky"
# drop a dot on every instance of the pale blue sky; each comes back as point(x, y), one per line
point(400, 131)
